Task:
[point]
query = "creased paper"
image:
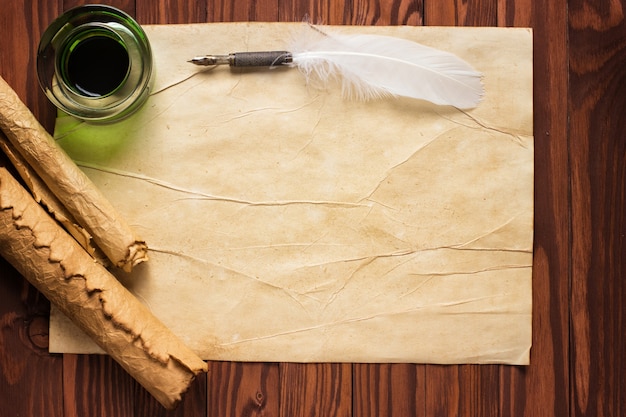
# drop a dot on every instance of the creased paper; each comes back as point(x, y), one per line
point(286, 223)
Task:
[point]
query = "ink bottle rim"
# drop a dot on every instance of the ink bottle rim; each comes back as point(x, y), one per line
point(76, 30)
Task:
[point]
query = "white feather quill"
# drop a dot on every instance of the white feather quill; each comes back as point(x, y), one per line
point(370, 66)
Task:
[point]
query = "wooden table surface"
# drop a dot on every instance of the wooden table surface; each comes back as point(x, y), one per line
point(578, 359)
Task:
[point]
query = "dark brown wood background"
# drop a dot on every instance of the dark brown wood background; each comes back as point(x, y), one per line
point(578, 357)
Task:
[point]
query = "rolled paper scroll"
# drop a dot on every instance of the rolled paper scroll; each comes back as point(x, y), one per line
point(87, 293)
point(68, 183)
point(42, 195)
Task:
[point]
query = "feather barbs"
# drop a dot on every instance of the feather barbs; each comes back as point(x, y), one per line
point(371, 66)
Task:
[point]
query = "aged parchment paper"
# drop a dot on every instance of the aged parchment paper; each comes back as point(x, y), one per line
point(286, 223)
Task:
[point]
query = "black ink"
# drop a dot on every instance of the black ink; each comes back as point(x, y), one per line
point(97, 66)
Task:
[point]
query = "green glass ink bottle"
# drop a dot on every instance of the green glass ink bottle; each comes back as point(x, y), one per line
point(95, 63)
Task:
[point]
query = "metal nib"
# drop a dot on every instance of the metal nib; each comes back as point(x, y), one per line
point(207, 60)
point(246, 59)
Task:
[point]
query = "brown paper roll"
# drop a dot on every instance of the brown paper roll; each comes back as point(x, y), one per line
point(87, 293)
point(42, 195)
point(70, 185)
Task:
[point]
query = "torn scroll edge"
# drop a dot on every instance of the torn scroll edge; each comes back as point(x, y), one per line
point(42, 195)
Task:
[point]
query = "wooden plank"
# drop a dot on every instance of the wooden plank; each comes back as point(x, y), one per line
point(127, 6)
point(442, 390)
point(542, 388)
point(23, 22)
point(342, 12)
point(460, 13)
point(316, 389)
point(243, 389)
point(388, 390)
point(170, 11)
point(598, 183)
point(327, 12)
point(479, 396)
point(465, 390)
point(30, 378)
point(395, 12)
point(517, 13)
point(95, 385)
point(243, 11)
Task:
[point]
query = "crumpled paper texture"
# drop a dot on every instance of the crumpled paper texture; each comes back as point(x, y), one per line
point(286, 223)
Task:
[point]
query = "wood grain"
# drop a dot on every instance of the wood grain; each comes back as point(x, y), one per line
point(465, 390)
point(127, 6)
point(328, 12)
point(580, 233)
point(88, 389)
point(243, 389)
point(243, 10)
point(396, 12)
point(515, 13)
point(342, 12)
point(23, 23)
point(309, 390)
point(388, 390)
point(597, 99)
point(543, 388)
point(520, 394)
point(30, 379)
point(171, 11)
point(460, 13)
